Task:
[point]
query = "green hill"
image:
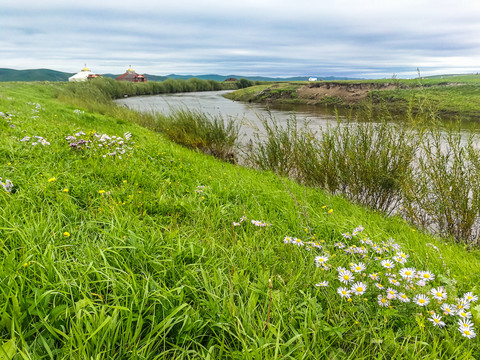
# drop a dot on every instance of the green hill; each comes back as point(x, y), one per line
point(33, 75)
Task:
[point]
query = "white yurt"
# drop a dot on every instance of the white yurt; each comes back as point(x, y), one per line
point(82, 75)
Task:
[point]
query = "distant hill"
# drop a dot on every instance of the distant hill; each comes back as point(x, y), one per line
point(53, 75)
point(33, 75)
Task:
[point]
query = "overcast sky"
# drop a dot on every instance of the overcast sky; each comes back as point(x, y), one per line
point(355, 38)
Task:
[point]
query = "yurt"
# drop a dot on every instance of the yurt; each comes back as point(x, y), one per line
point(82, 75)
point(131, 75)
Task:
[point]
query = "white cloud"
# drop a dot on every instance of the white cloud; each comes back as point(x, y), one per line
point(249, 37)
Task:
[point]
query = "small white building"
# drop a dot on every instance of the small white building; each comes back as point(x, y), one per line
point(82, 75)
point(312, 79)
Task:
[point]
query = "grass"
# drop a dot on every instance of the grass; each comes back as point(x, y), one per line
point(138, 257)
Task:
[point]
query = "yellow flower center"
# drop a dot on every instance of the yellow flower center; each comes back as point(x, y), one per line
point(346, 277)
point(408, 273)
point(384, 301)
point(359, 289)
point(439, 294)
point(421, 301)
point(436, 320)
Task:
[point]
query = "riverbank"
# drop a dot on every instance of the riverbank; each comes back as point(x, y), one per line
point(452, 97)
point(156, 251)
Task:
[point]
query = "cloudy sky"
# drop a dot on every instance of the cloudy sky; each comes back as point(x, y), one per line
point(356, 38)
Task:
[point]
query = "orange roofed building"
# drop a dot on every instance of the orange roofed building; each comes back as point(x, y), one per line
point(132, 76)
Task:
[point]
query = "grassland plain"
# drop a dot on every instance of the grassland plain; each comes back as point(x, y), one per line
point(142, 249)
point(452, 96)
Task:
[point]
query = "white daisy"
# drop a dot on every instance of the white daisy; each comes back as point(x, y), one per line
point(359, 288)
point(439, 293)
point(465, 324)
point(321, 260)
point(448, 309)
point(295, 241)
point(437, 320)
point(322, 284)
point(391, 293)
point(382, 301)
point(463, 305)
point(344, 292)
point(469, 297)
point(393, 281)
point(421, 300)
point(403, 298)
point(357, 267)
point(426, 275)
point(399, 259)
point(373, 276)
point(346, 277)
point(286, 240)
point(464, 314)
point(407, 273)
point(468, 333)
point(388, 264)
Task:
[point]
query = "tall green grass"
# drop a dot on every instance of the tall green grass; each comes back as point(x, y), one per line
point(212, 135)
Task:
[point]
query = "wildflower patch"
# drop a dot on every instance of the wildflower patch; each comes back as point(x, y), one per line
point(7, 185)
point(366, 269)
point(103, 145)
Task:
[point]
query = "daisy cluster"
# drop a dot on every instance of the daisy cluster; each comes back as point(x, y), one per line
point(381, 270)
point(257, 223)
point(200, 189)
point(36, 107)
point(35, 140)
point(7, 185)
point(103, 144)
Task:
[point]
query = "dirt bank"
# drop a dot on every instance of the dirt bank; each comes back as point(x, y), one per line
point(348, 93)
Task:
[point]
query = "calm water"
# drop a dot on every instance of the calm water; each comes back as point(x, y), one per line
point(212, 102)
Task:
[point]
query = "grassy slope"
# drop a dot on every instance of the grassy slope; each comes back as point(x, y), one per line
point(461, 99)
point(153, 269)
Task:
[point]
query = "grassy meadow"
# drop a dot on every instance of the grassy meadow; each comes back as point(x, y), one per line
point(117, 243)
point(449, 96)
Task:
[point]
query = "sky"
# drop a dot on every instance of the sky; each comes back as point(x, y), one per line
point(279, 38)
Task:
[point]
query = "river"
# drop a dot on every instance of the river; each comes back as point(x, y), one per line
point(213, 102)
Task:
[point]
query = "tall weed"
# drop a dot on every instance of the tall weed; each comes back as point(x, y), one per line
point(444, 192)
point(213, 135)
point(367, 162)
